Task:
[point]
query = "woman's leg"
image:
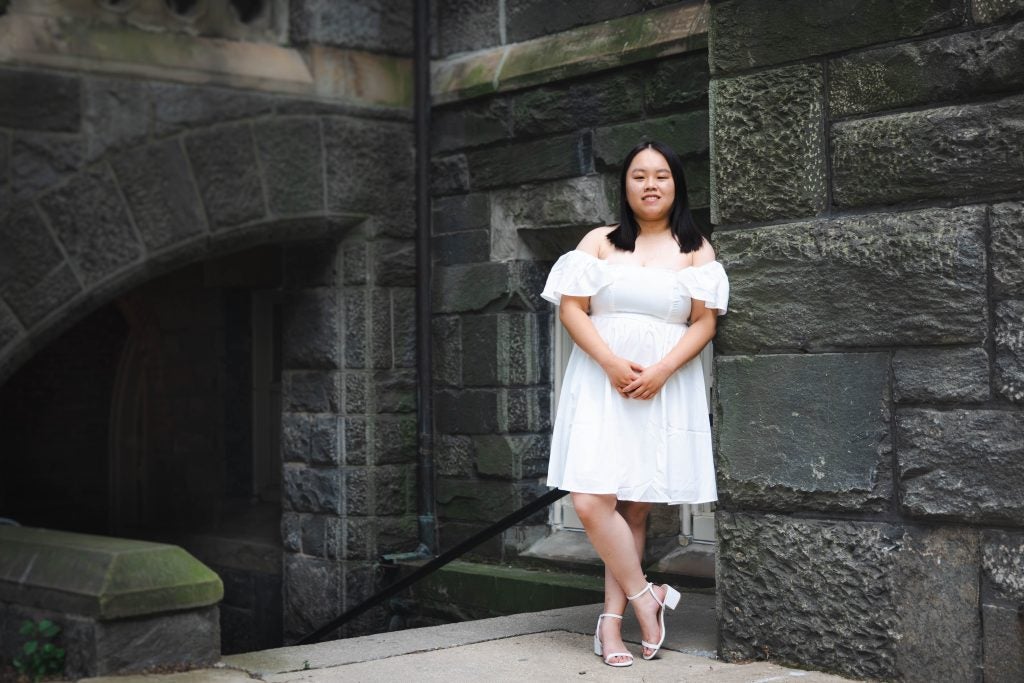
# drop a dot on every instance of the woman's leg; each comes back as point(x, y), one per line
point(635, 515)
point(614, 540)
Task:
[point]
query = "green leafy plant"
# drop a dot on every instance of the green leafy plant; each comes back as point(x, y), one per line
point(39, 655)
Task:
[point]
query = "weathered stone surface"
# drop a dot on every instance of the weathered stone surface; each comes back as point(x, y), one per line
point(394, 440)
point(466, 412)
point(475, 501)
point(449, 174)
point(40, 160)
point(227, 174)
point(472, 246)
point(1007, 249)
point(191, 638)
point(36, 100)
point(10, 328)
point(509, 456)
point(295, 437)
point(394, 488)
point(1002, 560)
point(403, 339)
point(465, 25)
point(959, 375)
point(686, 134)
point(311, 489)
point(677, 82)
point(930, 264)
point(27, 251)
point(33, 302)
point(325, 440)
point(1009, 366)
point(929, 154)
point(745, 34)
point(454, 456)
point(356, 392)
point(939, 632)
point(476, 286)
point(311, 391)
point(613, 96)
point(527, 162)
point(177, 107)
point(357, 491)
point(355, 262)
point(291, 155)
point(966, 465)
point(355, 440)
point(159, 189)
point(375, 25)
point(1004, 644)
point(955, 67)
point(311, 329)
point(807, 591)
point(380, 329)
point(769, 161)
point(525, 409)
point(461, 212)
point(395, 391)
point(370, 168)
point(804, 431)
point(987, 11)
point(312, 593)
point(532, 18)
point(501, 349)
point(394, 263)
point(446, 334)
point(355, 326)
point(115, 112)
point(91, 221)
point(469, 124)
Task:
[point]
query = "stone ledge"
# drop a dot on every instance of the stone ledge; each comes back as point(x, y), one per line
point(99, 576)
point(588, 49)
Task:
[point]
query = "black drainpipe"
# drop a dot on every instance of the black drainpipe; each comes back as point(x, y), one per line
point(427, 521)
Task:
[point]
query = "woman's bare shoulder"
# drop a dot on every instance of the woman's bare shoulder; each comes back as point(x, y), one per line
point(706, 253)
point(595, 242)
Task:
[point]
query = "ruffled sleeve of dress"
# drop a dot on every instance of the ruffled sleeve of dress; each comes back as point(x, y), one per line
point(576, 273)
point(709, 283)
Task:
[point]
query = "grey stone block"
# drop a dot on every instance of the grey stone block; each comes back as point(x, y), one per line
point(354, 262)
point(313, 527)
point(463, 247)
point(191, 638)
point(942, 375)
point(33, 302)
point(611, 96)
point(533, 18)
point(358, 491)
point(312, 489)
point(769, 152)
point(312, 594)
point(358, 537)
point(528, 162)
point(36, 100)
point(41, 160)
point(525, 409)
point(27, 251)
point(1002, 561)
point(470, 124)
point(925, 154)
point(480, 350)
point(454, 456)
point(466, 412)
point(158, 186)
point(446, 334)
point(355, 440)
point(1004, 644)
point(394, 263)
point(394, 440)
point(500, 349)
point(750, 33)
point(1007, 221)
point(786, 292)
point(375, 25)
point(475, 500)
point(227, 173)
point(394, 488)
point(987, 11)
point(804, 431)
point(116, 112)
point(369, 168)
point(449, 174)
point(955, 67)
point(1009, 365)
point(291, 154)
point(311, 331)
point(311, 391)
point(381, 352)
point(403, 331)
point(355, 326)
point(325, 440)
point(291, 532)
point(461, 212)
point(474, 287)
point(687, 135)
point(677, 82)
point(966, 465)
point(465, 25)
point(92, 223)
point(395, 391)
point(356, 392)
point(503, 456)
point(867, 600)
point(178, 107)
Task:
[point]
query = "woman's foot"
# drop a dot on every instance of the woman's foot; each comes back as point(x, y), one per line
point(647, 604)
point(609, 643)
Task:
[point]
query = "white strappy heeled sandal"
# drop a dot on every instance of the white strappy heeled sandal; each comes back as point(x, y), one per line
point(671, 600)
point(599, 648)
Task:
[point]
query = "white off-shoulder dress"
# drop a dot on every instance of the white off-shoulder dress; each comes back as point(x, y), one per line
point(657, 450)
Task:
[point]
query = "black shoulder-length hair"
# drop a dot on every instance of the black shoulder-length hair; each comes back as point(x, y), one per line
point(680, 220)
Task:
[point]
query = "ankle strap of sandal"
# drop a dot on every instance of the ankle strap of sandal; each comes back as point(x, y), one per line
point(609, 614)
point(645, 590)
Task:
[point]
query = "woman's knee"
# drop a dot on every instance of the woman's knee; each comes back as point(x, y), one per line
point(634, 513)
point(590, 507)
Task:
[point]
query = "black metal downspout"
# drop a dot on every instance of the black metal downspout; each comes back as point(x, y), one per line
point(427, 521)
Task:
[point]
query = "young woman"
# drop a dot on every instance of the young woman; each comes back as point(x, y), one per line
point(640, 300)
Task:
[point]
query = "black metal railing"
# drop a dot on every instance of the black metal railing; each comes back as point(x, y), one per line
point(435, 564)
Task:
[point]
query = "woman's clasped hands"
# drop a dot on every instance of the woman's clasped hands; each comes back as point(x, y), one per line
point(632, 380)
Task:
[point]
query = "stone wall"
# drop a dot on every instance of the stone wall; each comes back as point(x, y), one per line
point(867, 186)
point(517, 178)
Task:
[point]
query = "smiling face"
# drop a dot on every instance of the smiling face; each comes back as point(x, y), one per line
point(650, 188)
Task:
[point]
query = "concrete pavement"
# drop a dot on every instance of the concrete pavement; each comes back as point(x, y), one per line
point(554, 645)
